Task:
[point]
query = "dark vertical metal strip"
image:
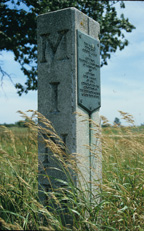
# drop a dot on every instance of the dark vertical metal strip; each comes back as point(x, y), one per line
point(90, 164)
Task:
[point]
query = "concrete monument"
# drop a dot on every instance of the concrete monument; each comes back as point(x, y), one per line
point(69, 82)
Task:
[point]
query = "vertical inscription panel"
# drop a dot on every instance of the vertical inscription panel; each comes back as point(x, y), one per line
point(88, 72)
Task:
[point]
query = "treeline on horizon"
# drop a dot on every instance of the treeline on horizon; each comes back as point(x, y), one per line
point(20, 124)
point(23, 124)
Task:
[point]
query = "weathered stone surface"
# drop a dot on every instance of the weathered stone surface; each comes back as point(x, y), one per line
point(58, 90)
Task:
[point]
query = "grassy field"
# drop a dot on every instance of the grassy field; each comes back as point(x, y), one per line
point(122, 192)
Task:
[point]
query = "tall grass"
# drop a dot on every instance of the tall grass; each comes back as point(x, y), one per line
point(122, 191)
point(123, 176)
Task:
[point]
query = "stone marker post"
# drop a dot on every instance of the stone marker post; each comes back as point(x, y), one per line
point(69, 82)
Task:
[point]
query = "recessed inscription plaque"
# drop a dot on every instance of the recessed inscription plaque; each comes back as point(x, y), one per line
point(88, 72)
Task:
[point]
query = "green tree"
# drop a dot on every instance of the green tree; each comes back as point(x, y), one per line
point(117, 121)
point(18, 30)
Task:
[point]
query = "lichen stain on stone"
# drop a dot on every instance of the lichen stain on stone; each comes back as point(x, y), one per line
point(81, 23)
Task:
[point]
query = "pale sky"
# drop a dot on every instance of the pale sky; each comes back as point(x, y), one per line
point(122, 81)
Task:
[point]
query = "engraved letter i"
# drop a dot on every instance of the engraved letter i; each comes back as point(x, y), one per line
point(54, 97)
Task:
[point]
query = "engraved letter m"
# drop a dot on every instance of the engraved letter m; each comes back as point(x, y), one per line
point(46, 39)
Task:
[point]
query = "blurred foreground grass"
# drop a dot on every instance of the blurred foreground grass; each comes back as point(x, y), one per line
point(122, 192)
